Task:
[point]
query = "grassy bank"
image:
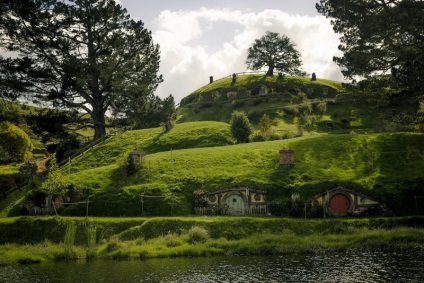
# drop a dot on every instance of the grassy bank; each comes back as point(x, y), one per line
point(35, 240)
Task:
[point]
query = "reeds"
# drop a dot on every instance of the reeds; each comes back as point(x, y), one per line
point(69, 240)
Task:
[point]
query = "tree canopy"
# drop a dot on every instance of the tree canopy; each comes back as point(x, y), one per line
point(275, 51)
point(380, 36)
point(15, 144)
point(79, 54)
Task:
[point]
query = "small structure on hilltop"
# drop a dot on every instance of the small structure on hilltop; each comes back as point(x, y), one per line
point(341, 202)
point(286, 157)
point(239, 201)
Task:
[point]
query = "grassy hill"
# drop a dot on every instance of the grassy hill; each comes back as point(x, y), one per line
point(199, 152)
point(295, 100)
point(384, 166)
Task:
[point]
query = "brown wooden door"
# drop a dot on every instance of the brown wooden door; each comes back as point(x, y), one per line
point(339, 204)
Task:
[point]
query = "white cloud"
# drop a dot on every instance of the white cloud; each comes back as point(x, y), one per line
point(213, 42)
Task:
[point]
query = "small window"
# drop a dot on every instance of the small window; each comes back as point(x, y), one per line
point(234, 200)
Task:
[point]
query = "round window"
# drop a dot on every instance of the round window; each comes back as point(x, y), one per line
point(234, 200)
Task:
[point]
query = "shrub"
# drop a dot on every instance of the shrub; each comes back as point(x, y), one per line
point(305, 108)
point(255, 116)
point(258, 136)
point(321, 107)
point(273, 137)
point(288, 135)
point(257, 101)
point(240, 127)
point(265, 123)
point(197, 234)
point(237, 103)
point(67, 148)
point(15, 144)
point(291, 110)
point(315, 211)
point(297, 206)
point(280, 207)
point(302, 97)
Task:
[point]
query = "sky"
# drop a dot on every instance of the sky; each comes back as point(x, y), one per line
point(200, 38)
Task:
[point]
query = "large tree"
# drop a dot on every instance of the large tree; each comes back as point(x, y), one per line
point(275, 51)
point(80, 54)
point(379, 36)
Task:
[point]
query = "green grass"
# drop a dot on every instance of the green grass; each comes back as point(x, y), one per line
point(197, 155)
point(252, 80)
point(139, 238)
point(379, 165)
point(9, 169)
point(187, 135)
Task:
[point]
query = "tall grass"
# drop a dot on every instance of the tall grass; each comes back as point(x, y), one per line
point(69, 240)
point(91, 230)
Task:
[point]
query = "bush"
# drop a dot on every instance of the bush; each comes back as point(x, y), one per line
point(67, 148)
point(305, 108)
point(288, 135)
point(15, 144)
point(257, 101)
point(266, 123)
point(255, 116)
point(258, 136)
point(291, 110)
point(197, 234)
point(240, 127)
point(273, 137)
point(237, 103)
point(321, 107)
point(302, 97)
point(315, 211)
point(280, 207)
point(297, 206)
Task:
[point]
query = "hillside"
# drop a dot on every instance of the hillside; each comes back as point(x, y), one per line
point(385, 166)
point(340, 145)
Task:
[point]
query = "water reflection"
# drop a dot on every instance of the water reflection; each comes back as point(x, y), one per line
point(344, 267)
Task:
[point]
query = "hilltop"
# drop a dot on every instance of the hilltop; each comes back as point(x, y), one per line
point(322, 105)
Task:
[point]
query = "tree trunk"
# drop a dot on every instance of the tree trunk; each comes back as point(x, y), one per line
point(270, 70)
point(99, 124)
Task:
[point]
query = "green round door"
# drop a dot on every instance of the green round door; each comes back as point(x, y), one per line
point(236, 204)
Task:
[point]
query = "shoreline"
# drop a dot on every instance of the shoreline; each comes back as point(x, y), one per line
point(166, 237)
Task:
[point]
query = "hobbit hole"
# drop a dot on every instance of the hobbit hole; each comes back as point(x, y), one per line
point(341, 202)
point(324, 90)
point(241, 201)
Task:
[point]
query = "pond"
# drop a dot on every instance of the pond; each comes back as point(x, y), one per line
point(343, 267)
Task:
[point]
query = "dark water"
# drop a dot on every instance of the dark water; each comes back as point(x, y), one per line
point(356, 267)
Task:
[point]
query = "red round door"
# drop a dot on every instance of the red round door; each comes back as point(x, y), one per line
point(339, 204)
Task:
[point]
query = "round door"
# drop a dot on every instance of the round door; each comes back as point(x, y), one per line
point(339, 204)
point(236, 204)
